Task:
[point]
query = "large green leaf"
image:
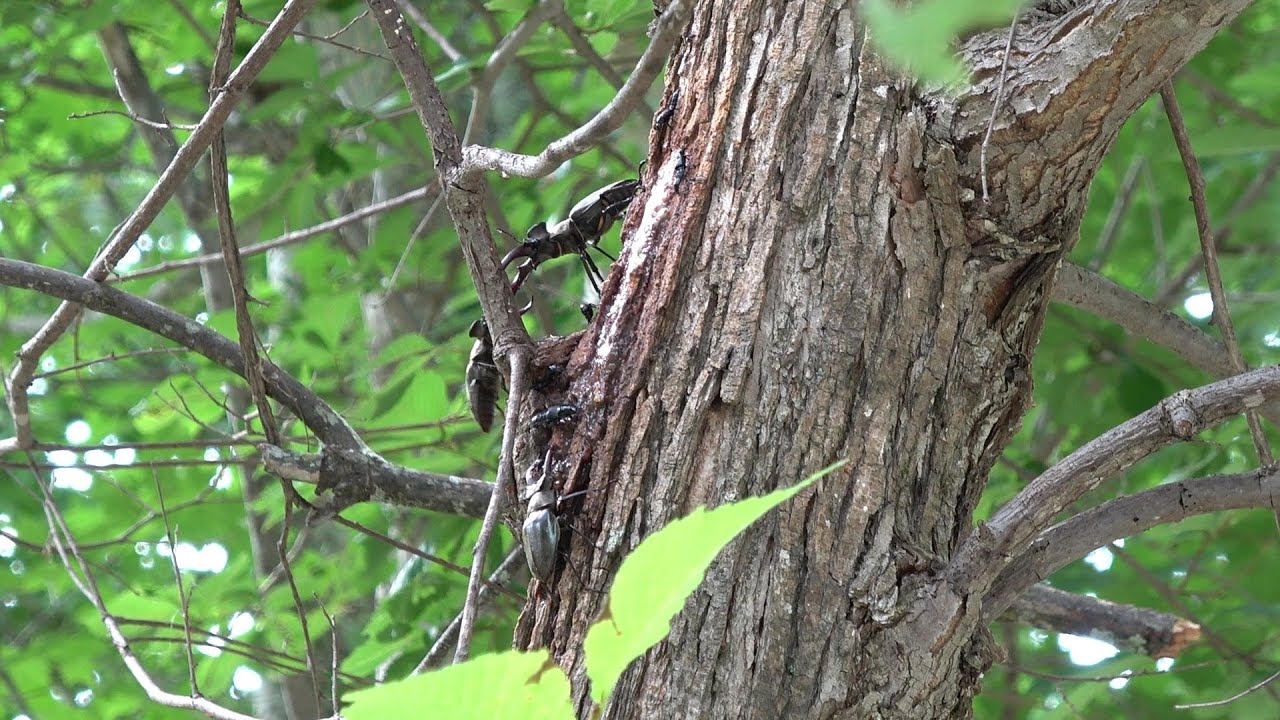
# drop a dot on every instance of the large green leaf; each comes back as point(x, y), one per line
point(505, 685)
point(657, 578)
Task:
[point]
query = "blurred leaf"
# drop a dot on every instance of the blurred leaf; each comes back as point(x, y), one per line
point(920, 36)
point(1139, 390)
point(1236, 139)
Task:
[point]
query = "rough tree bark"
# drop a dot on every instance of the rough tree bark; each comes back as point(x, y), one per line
point(827, 283)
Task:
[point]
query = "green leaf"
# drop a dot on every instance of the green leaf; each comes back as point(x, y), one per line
point(328, 160)
point(1139, 390)
point(921, 37)
point(507, 6)
point(420, 395)
point(608, 12)
point(505, 685)
point(655, 581)
point(1235, 140)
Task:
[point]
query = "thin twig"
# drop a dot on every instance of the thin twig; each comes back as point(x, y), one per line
point(503, 54)
point(273, 577)
point(125, 536)
point(504, 485)
point(15, 694)
point(326, 39)
point(187, 412)
point(154, 124)
point(182, 593)
point(408, 246)
point(1119, 209)
point(420, 19)
point(995, 103)
point(1253, 192)
point(1126, 675)
point(1155, 214)
point(333, 670)
point(109, 358)
point(190, 19)
point(288, 238)
point(282, 547)
point(1209, 248)
point(583, 49)
point(1217, 96)
point(1178, 604)
point(64, 544)
point(333, 35)
point(147, 464)
point(284, 662)
point(418, 552)
point(442, 645)
point(227, 234)
point(1251, 689)
point(667, 31)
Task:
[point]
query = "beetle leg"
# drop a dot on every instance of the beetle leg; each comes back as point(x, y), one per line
point(593, 271)
point(596, 246)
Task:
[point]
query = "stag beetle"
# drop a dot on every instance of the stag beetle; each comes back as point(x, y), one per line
point(554, 415)
point(483, 380)
point(541, 533)
point(541, 528)
point(588, 221)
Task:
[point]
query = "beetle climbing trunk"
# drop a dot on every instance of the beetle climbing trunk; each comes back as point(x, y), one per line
point(811, 275)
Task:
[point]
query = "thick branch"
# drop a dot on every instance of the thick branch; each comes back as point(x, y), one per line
point(987, 550)
point(319, 417)
point(1072, 76)
point(463, 193)
point(1128, 627)
point(370, 478)
point(1095, 294)
point(1130, 515)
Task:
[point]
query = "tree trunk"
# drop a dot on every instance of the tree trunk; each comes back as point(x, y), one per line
point(824, 283)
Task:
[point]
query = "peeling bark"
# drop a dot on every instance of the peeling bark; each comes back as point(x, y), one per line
point(825, 283)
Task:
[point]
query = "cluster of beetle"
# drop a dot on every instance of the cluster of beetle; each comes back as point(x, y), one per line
point(582, 230)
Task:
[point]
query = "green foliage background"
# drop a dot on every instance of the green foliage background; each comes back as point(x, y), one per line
point(338, 137)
